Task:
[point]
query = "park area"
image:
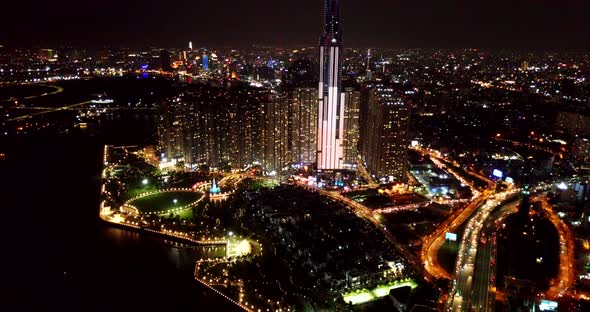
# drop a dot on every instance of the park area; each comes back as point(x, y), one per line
point(367, 295)
point(166, 202)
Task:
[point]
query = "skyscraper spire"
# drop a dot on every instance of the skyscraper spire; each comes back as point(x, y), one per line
point(332, 33)
point(330, 99)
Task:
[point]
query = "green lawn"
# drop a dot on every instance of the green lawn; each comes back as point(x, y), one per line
point(185, 214)
point(140, 189)
point(258, 184)
point(164, 202)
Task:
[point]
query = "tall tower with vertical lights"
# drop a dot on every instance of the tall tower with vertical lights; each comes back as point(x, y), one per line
point(330, 99)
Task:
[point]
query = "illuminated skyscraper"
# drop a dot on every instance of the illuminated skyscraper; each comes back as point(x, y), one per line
point(331, 101)
point(304, 118)
point(385, 123)
point(276, 133)
point(352, 99)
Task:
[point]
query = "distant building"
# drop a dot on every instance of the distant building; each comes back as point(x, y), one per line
point(577, 192)
point(301, 74)
point(47, 55)
point(384, 141)
point(573, 123)
point(581, 151)
point(165, 61)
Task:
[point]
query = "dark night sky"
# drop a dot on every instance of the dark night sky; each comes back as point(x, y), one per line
point(382, 23)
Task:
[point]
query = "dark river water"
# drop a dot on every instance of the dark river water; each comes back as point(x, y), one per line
point(56, 253)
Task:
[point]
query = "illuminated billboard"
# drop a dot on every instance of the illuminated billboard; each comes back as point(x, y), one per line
point(547, 305)
point(451, 236)
point(497, 173)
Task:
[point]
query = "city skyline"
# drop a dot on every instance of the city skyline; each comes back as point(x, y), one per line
point(320, 177)
point(374, 23)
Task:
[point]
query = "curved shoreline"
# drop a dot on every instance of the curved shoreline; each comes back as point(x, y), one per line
point(176, 236)
point(160, 234)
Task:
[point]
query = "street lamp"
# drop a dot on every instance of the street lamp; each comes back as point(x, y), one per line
point(175, 201)
point(144, 181)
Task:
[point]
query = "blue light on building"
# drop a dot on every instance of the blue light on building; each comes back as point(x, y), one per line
point(271, 63)
point(205, 62)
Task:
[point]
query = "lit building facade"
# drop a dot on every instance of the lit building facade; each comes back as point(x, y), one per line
point(330, 132)
point(175, 137)
point(386, 123)
point(352, 102)
point(276, 133)
point(212, 126)
point(304, 118)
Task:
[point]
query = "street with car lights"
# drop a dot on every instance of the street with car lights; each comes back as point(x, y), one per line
point(433, 242)
point(474, 276)
point(483, 297)
point(460, 295)
point(367, 214)
point(565, 277)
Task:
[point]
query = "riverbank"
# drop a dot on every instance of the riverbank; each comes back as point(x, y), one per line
point(68, 259)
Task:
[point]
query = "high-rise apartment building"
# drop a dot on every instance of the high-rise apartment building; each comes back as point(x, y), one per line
point(304, 118)
point(352, 102)
point(331, 102)
point(237, 126)
point(175, 139)
point(385, 121)
point(276, 133)
point(213, 125)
